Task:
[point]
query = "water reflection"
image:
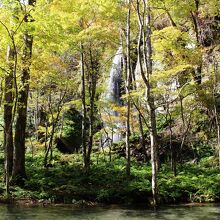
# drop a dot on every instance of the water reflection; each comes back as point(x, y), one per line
point(210, 212)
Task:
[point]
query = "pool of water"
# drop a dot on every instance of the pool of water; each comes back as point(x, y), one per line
point(207, 212)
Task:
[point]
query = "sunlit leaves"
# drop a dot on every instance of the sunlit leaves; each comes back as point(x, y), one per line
point(172, 47)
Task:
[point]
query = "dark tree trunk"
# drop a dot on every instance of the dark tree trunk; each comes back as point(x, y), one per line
point(197, 74)
point(8, 118)
point(19, 173)
point(20, 127)
point(93, 74)
point(19, 156)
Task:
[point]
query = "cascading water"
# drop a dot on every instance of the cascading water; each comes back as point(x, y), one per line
point(113, 94)
point(115, 79)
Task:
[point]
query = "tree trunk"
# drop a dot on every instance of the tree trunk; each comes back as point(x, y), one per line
point(216, 115)
point(140, 120)
point(20, 127)
point(128, 85)
point(147, 55)
point(91, 128)
point(91, 132)
point(172, 151)
point(197, 74)
point(83, 107)
point(111, 145)
point(19, 173)
point(151, 108)
point(195, 20)
point(55, 120)
point(142, 137)
point(8, 118)
point(93, 74)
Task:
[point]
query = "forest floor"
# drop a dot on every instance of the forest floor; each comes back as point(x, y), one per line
point(106, 183)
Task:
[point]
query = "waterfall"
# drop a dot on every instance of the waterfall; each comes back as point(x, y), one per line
point(113, 94)
point(115, 79)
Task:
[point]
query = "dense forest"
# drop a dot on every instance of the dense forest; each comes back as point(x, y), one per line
point(110, 101)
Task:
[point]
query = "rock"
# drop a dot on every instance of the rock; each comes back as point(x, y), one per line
point(74, 201)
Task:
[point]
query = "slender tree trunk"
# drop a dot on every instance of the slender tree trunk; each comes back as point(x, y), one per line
point(55, 121)
point(91, 131)
point(154, 162)
point(46, 137)
point(142, 144)
point(182, 110)
point(140, 121)
point(142, 137)
point(111, 145)
point(128, 85)
point(172, 152)
point(49, 149)
point(218, 132)
point(83, 107)
point(195, 20)
point(171, 19)
point(215, 83)
point(197, 74)
point(93, 74)
point(36, 116)
point(144, 19)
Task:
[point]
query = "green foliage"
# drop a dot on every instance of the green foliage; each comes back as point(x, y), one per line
point(162, 122)
point(72, 127)
point(106, 182)
point(58, 28)
point(194, 183)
